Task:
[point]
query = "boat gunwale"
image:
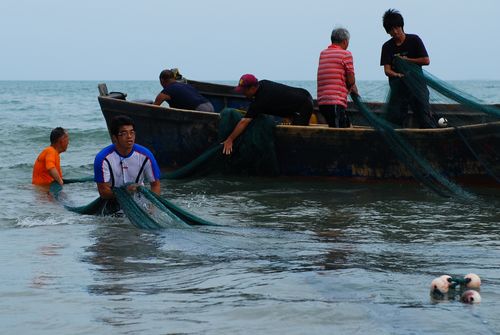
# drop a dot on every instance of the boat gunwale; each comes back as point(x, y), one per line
point(306, 129)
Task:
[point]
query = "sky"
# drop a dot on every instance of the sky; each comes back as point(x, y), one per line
point(222, 39)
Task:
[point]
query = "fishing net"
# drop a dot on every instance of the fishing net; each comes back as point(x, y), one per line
point(97, 207)
point(182, 214)
point(421, 169)
point(253, 154)
point(253, 151)
point(198, 166)
point(425, 88)
point(144, 209)
point(471, 142)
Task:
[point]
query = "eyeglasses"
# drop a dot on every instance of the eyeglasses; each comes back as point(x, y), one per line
point(124, 133)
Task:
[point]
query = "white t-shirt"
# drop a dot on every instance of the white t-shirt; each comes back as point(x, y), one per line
point(139, 166)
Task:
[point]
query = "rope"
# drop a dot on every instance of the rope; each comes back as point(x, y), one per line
point(194, 165)
point(78, 180)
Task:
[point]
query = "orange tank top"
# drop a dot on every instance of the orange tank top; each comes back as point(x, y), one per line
point(48, 159)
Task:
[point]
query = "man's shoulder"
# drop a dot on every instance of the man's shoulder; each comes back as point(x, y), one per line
point(388, 44)
point(101, 155)
point(324, 51)
point(141, 150)
point(265, 82)
point(265, 86)
point(144, 151)
point(180, 86)
point(48, 153)
point(50, 150)
point(109, 149)
point(334, 48)
point(270, 89)
point(272, 85)
point(414, 38)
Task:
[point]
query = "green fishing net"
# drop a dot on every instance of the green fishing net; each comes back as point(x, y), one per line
point(421, 169)
point(475, 124)
point(253, 151)
point(435, 103)
point(425, 87)
point(97, 207)
point(144, 209)
point(253, 154)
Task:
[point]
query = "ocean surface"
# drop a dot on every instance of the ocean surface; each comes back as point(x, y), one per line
point(291, 256)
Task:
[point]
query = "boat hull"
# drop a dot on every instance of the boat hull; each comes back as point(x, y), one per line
point(176, 137)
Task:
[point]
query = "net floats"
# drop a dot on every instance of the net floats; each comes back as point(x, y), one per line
point(446, 287)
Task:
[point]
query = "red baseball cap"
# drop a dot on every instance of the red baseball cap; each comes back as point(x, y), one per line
point(246, 81)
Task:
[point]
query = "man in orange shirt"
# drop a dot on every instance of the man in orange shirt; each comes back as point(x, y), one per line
point(47, 166)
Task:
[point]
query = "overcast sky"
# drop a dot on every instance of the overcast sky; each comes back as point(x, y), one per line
point(222, 39)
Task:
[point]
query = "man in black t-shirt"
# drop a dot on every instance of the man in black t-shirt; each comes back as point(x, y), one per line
point(410, 48)
point(268, 97)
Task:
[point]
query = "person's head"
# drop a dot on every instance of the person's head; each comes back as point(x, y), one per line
point(247, 85)
point(123, 133)
point(59, 139)
point(392, 19)
point(340, 36)
point(118, 121)
point(166, 76)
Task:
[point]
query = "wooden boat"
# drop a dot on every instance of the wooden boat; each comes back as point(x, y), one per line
point(176, 137)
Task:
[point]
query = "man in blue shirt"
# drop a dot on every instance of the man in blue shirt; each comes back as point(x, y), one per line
point(124, 162)
point(181, 95)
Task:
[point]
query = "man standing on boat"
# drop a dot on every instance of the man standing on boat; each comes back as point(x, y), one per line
point(336, 79)
point(181, 95)
point(410, 48)
point(268, 97)
point(124, 162)
point(47, 167)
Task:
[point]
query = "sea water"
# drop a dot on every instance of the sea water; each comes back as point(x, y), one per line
point(291, 255)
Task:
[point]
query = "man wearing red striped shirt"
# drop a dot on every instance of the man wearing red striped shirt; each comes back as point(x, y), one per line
point(336, 79)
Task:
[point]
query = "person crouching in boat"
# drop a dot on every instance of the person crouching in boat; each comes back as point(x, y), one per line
point(47, 167)
point(181, 95)
point(268, 97)
point(124, 162)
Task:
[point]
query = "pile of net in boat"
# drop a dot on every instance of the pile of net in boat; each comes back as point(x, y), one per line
point(465, 113)
point(253, 151)
point(144, 208)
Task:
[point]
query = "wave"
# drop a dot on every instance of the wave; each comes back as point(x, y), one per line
point(65, 218)
point(36, 221)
